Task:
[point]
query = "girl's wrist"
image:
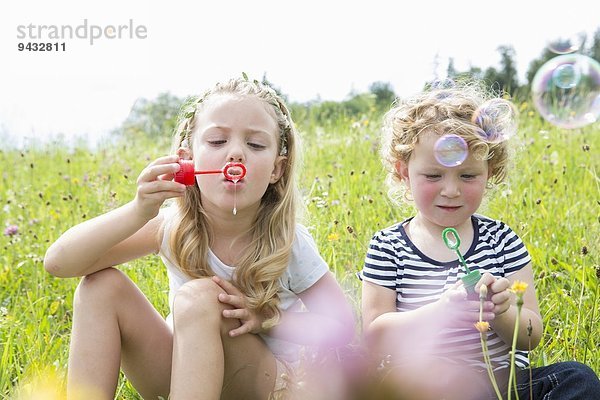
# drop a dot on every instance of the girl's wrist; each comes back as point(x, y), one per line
point(141, 215)
point(135, 215)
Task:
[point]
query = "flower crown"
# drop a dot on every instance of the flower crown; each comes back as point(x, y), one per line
point(191, 105)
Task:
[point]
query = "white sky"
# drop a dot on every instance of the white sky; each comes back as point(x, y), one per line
point(308, 48)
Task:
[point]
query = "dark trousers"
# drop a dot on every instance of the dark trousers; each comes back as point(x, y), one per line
point(561, 381)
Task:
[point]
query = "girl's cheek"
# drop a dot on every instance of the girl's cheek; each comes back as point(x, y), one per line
point(426, 190)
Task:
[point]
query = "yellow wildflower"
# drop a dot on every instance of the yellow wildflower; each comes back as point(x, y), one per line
point(482, 326)
point(332, 237)
point(518, 287)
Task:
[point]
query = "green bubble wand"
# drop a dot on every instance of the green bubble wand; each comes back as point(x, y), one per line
point(471, 277)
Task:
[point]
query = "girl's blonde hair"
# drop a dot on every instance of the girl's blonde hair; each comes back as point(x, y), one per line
point(457, 110)
point(273, 232)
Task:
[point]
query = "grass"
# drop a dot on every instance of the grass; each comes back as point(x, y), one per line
point(552, 201)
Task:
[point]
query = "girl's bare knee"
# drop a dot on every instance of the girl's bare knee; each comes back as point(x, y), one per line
point(197, 300)
point(107, 283)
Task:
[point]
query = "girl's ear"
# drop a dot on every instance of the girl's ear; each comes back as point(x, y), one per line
point(278, 168)
point(402, 170)
point(184, 153)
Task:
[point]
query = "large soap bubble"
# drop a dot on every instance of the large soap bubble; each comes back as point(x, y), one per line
point(566, 91)
point(497, 120)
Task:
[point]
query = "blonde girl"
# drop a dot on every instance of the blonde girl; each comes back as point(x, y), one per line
point(246, 288)
point(415, 308)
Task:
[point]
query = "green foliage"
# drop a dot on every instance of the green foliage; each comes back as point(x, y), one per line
point(503, 80)
point(384, 95)
point(550, 201)
point(594, 50)
point(152, 118)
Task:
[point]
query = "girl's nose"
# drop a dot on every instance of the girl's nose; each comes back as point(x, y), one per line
point(450, 189)
point(236, 153)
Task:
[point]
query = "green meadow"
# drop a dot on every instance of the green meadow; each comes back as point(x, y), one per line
point(551, 199)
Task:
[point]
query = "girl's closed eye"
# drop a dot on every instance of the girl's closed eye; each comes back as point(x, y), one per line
point(257, 146)
point(216, 141)
point(432, 177)
point(468, 176)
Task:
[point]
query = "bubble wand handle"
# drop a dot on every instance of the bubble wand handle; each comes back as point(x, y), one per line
point(454, 245)
point(209, 171)
point(187, 173)
point(472, 277)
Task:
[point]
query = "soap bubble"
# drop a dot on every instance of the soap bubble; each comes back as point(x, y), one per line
point(497, 120)
point(450, 150)
point(440, 84)
point(566, 76)
point(567, 45)
point(566, 91)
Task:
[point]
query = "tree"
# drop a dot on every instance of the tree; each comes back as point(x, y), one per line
point(506, 78)
point(153, 118)
point(384, 94)
point(594, 50)
point(451, 70)
point(537, 63)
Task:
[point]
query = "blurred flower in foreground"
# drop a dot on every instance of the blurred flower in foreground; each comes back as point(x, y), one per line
point(482, 326)
point(46, 385)
point(11, 230)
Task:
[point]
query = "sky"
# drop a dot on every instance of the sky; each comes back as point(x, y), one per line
point(310, 49)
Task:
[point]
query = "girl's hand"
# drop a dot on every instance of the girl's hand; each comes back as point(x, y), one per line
point(155, 184)
point(498, 292)
point(251, 321)
point(455, 311)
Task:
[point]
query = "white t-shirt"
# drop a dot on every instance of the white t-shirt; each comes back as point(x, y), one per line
point(305, 268)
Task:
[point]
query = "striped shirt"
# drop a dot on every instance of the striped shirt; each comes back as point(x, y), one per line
point(394, 262)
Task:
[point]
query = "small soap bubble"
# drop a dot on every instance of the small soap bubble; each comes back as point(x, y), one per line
point(497, 120)
point(567, 45)
point(566, 91)
point(566, 76)
point(450, 150)
point(440, 84)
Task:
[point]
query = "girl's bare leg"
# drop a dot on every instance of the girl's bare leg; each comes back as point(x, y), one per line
point(114, 324)
point(207, 363)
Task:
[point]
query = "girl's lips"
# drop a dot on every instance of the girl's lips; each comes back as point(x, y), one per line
point(232, 184)
point(449, 208)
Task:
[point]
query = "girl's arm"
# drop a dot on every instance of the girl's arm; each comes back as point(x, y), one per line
point(376, 301)
point(110, 239)
point(413, 332)
point(120, 235)
point(329, 321)
point(387, 331)
point(504, 320)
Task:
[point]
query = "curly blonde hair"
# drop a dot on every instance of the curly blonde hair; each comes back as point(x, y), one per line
point(273, 232)
point(466, 110)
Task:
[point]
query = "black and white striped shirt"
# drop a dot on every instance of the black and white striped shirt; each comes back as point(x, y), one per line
point(394, 262)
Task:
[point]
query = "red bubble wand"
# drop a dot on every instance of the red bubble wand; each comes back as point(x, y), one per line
point(233, 171)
